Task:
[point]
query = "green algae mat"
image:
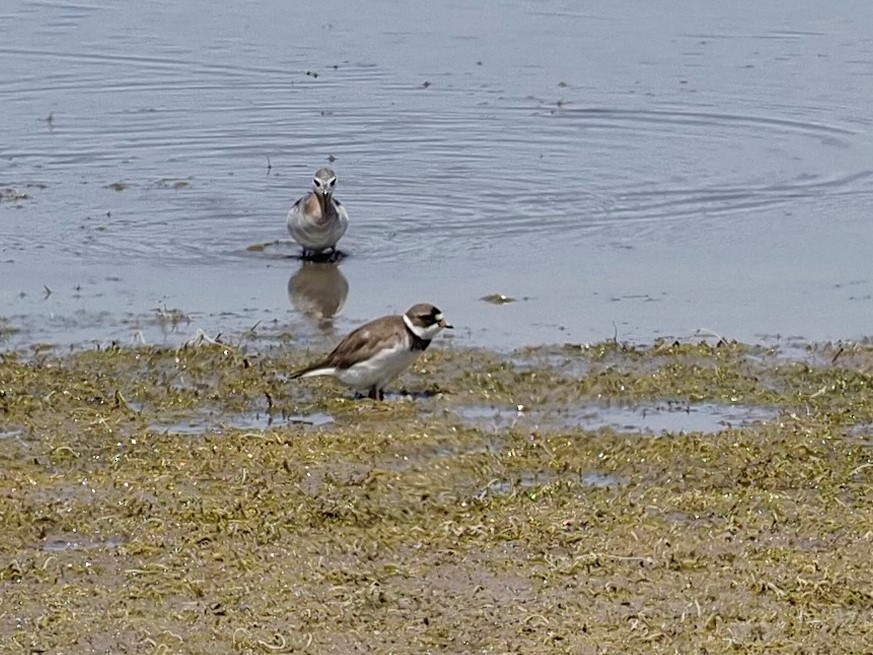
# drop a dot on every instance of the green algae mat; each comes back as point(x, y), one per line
point(673, 498)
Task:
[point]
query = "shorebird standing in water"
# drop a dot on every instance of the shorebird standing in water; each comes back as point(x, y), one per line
point(318, 220)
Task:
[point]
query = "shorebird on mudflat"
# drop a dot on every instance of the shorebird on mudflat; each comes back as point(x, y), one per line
point(381, 350)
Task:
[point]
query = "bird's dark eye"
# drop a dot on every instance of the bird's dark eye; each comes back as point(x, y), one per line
point(332, 182)
point(316, 181)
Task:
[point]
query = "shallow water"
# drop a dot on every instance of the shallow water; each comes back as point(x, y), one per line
point(639, 418)
point(645, 170)
point(534, 479)
point(221, 422)
point(60, 543)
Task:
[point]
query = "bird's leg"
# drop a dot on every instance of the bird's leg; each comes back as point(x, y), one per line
point(381, 394)
point(374, 394)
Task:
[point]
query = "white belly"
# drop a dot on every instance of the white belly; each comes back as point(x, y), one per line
point(378, 370)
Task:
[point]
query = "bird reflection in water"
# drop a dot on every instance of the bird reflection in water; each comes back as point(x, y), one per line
point(318, 290)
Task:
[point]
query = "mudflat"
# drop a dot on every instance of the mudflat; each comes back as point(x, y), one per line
point(191, 500)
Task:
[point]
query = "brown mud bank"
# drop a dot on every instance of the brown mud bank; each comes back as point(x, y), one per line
point(193, 501)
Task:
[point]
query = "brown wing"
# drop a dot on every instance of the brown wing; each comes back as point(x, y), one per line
point(361, 344)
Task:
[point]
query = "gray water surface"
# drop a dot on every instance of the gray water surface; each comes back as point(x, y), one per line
point(649, 168)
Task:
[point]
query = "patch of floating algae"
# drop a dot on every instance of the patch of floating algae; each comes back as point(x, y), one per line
point(393, 529)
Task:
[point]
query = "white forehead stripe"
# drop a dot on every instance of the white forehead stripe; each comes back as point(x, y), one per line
point(439, 316)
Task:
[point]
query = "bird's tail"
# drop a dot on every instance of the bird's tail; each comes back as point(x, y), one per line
point(312, 371)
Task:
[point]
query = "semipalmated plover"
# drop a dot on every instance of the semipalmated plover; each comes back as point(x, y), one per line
point(380, 350)
point(317, 221)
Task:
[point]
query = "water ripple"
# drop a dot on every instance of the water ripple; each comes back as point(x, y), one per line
point(149, 141)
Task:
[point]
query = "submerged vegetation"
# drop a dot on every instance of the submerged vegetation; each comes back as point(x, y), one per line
point(11, 194)
point(161, 500)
